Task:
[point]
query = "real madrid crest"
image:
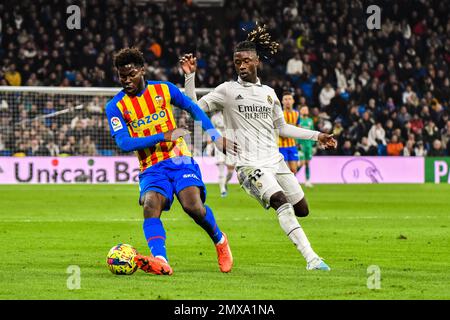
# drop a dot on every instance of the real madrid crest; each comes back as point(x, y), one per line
point(159, 101)
point(269, 99)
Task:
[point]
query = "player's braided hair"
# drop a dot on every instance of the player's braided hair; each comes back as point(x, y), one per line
point(258, 40)
point(129, 56)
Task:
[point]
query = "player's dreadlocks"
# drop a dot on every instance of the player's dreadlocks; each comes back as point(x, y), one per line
point(258, 40)
point(129, 56)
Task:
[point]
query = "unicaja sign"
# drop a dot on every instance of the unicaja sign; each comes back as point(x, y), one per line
point(71, 170)
point(125, 169)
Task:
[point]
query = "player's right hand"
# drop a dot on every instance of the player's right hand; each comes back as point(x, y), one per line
point(227, 146)
point(173, 135)
point(188, 63)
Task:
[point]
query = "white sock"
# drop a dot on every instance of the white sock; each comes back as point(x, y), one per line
point(162, 258)
point(222, 240)
point(229, 176)
point(222, 182)
point(291, 226)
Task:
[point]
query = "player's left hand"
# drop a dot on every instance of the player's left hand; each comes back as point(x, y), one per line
point(327, 141)
point(188, 63)
point(227, 146)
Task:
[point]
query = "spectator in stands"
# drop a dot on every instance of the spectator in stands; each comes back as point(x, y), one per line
point(437, 149)
point(445, 135)
point(36, 149)
point(20, 149)
point(365, 124)
point(52, 148)
point(12, 76)
point(377, 135)
point(430, 134)
point(405, 64)
point(341, 81)
point(326, 94)
point(2, 144)
point(408, 150)
point(410, 97)
point(294, 67)
point(404, 116)
point(419, 149)
point(389, 129)
point(347, 148)
point(71, 147)
point(394, 147)
point(365, 149)
point(87, 146)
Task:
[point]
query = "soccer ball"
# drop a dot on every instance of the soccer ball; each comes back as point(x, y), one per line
point(120, 259)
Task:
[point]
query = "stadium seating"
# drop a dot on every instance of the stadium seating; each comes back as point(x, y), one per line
point(330, 38)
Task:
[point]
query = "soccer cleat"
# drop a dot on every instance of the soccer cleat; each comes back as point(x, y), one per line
point(224, 256)
point(308, 184)
point(317, 264)
point(153, 265)
point(224, 192)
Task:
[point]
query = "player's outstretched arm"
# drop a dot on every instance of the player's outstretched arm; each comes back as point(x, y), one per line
point(188, 64)
point(183, 102)
point(290, 131)
point(213, 101)
point(126, 143)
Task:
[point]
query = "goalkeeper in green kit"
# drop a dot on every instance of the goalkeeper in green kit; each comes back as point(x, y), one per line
point(306, 146)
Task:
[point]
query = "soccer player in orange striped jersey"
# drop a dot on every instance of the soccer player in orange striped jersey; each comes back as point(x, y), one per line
point(141, 120)
point(288, 146)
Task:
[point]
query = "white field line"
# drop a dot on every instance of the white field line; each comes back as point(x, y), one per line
point(218, 219)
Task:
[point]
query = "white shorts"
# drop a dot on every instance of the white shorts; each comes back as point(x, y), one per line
point(263, 182)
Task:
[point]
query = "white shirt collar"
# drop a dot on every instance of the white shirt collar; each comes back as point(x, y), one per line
point(249, 84)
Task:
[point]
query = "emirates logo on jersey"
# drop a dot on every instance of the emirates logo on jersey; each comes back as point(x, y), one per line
point(255, 111)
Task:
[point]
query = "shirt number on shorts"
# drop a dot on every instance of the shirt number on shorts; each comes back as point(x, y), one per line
point(255, 175)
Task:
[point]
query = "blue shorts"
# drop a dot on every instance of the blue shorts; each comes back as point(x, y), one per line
point(290, 153)
point(171, 176)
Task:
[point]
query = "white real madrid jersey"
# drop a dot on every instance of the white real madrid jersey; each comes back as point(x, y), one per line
point(249, 111)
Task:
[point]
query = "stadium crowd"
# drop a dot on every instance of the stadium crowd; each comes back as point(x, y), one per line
point(381, 92)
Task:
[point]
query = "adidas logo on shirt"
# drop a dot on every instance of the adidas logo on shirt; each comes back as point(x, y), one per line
point(239, 97)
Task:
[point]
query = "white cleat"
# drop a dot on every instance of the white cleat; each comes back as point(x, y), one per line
point(317, 264)
point(308, 184)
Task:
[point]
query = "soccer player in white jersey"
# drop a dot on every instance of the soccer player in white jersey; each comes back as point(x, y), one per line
point(224, 162)
point(253, 117)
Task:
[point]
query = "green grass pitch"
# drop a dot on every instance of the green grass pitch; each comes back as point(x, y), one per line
point(402, 229)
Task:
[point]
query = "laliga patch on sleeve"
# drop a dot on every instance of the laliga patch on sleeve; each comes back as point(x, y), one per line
point(116, 124)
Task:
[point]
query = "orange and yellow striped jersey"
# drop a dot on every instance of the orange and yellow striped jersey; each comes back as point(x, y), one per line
point(146, 114)
point(292, 118)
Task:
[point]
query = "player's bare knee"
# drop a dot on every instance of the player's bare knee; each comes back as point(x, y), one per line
point(277, 200)
point(195, 209)
point(151, 211)
point(153, 204)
